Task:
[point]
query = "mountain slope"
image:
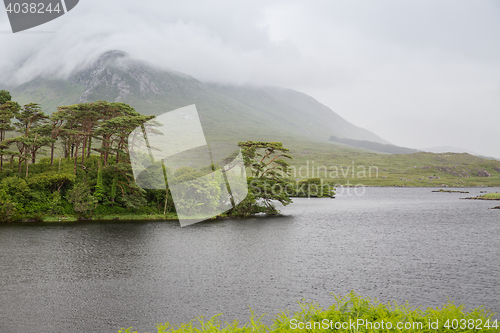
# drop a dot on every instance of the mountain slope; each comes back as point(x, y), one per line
point(227, 112)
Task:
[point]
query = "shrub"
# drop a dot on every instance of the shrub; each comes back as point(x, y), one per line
point(8, 210)
point(83, 202)
point(352, 309)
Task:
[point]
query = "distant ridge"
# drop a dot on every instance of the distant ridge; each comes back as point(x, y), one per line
point(379, 147)
point(231, 112)
point(448, 149)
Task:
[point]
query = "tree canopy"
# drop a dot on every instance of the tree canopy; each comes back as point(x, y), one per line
point(88, 170)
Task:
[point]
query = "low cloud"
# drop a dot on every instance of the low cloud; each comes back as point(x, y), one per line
point(368, 61)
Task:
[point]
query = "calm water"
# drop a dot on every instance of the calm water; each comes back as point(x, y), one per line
point(394, 244)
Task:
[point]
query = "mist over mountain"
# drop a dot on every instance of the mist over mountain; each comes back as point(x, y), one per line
point(227, 111)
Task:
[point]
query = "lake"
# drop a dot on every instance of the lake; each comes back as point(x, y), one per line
point(403, 244)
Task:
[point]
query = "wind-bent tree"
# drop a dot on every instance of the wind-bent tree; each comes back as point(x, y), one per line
point(265, 161)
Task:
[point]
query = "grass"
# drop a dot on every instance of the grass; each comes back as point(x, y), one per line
point(487, 196)
point(352, 313)
point(490, 196)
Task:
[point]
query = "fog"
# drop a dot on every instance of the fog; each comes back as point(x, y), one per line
point(418, 74)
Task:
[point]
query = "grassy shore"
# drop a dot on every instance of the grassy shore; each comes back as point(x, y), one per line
point(487, 196)
point(127, 217)
point(449, 191)
point(491, 196)
point(136, 217)
point(352, 313)
point(173, 216)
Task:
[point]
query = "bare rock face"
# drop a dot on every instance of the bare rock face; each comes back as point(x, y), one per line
point(483, 173)
point(114, 76)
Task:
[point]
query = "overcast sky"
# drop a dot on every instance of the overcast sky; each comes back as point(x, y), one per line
point(417, 73)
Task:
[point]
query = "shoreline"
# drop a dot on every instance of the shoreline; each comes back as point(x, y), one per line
point(479, 198)
point(173, 217)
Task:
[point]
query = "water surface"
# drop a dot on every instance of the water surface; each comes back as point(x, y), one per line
point(403, 244)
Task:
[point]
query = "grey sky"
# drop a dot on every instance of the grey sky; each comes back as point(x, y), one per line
point(417, 73)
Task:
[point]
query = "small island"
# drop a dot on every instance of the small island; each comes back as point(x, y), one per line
point(487, 196)
point(449, 191)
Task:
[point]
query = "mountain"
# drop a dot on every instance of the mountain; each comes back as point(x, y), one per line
point(227, 111)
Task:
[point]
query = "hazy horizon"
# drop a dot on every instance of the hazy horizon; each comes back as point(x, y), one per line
point(419, 74)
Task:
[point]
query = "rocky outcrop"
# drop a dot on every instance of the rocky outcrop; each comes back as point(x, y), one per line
point(462, 173)
point(483, 173)
point(116, 77)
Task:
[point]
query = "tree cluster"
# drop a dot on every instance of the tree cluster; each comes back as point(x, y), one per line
point(87, 168)
point(91, 140)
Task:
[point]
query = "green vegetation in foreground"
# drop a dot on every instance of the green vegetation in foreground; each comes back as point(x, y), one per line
point(352, 310)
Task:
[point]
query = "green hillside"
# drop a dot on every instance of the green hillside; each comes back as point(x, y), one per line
point(336, 163)
point(241, 113)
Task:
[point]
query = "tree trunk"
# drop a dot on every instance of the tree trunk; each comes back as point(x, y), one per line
point(120, 145)
point(52, 153)
point(83, 150)
point(106, 145)
point(66, 148)
point(90, 146)
point(166, 199)
point(76, 158)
